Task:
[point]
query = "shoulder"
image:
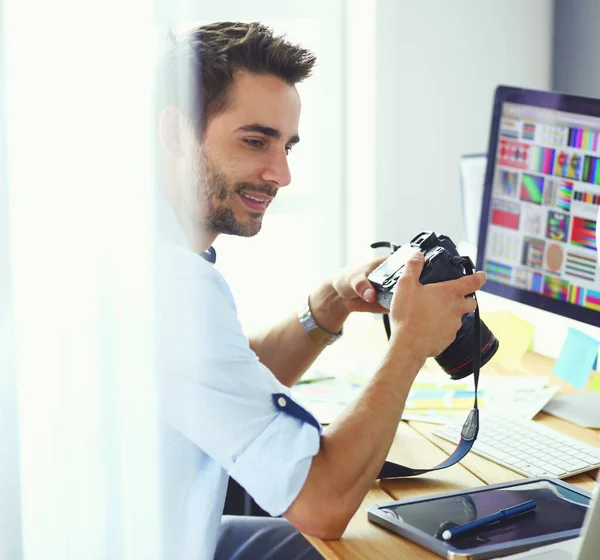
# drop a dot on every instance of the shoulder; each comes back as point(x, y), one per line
point(181, 272)
point(196, 312)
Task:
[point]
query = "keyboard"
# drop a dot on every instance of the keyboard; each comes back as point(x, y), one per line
point(527, 447)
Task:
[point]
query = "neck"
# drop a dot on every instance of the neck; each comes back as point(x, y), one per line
point(198, 239)
point(175, 224)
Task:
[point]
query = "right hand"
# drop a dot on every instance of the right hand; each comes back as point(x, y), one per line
point(427, 317)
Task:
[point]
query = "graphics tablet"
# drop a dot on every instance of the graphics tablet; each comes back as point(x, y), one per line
point(559, 515)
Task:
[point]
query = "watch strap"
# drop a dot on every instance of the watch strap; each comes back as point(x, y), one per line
point(317, 334)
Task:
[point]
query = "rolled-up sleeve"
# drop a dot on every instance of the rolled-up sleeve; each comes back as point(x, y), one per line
point(215, 391)
point(274, 467)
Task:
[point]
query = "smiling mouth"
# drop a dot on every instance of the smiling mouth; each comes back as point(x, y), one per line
point(258, 203)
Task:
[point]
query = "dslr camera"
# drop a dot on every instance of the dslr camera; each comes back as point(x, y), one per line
point(442, 262)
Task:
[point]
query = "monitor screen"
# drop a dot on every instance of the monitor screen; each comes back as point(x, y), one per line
point(537, 237)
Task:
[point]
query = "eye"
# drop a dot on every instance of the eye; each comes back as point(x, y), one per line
point(288, 150)
point(254, 142)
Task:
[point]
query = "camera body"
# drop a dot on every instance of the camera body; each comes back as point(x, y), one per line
point(439, 252)
point(442, 262)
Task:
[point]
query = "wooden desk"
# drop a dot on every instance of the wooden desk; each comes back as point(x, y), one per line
point(415, 445)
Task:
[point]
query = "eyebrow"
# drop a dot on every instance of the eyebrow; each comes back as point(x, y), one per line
point(268, 131)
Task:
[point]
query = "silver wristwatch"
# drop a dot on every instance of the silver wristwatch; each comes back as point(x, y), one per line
point(316, 333)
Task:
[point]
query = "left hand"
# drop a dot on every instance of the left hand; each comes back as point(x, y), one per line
point(355, 290)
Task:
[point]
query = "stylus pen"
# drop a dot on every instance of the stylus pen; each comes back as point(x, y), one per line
point(488, 519)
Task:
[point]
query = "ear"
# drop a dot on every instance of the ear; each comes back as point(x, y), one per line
point(171, 129)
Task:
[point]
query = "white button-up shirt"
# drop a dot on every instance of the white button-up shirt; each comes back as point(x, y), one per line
point(223, 412)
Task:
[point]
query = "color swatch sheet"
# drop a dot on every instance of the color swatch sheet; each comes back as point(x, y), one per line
point(545, 197)
point(524, 396)
point(434, 397)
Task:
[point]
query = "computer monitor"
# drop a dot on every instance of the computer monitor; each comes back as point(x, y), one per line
point(537, 235)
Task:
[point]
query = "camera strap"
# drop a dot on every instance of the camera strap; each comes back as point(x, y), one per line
point(471, 425)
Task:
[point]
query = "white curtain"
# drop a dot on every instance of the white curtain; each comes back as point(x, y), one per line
point(80, 460)
point(78, 432)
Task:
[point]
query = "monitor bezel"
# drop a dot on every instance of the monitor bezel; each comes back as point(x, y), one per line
point(584, 106)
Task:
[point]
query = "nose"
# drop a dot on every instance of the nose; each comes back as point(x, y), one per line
point(277, 170)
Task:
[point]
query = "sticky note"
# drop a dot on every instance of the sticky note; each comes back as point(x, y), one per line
point(514, 334)
point(577, 358)
point(595, 384)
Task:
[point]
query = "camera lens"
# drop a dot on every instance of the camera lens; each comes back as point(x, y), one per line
point(457, 359)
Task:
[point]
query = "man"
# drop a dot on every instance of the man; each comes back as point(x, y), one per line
point(226, 399)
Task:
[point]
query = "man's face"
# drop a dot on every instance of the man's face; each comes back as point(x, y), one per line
point(242, 159)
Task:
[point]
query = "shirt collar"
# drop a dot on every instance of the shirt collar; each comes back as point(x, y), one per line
point(210, 255)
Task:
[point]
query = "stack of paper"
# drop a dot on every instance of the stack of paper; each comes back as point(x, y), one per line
point(325, 399)
point(434, 397)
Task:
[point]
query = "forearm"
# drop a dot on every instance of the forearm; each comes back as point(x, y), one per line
point(286, 349)
point(354, 448)
point(425, 320)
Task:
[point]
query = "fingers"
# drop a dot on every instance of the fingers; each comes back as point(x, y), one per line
point(469, 305)
point(365, 290)
point(362, 287)
point(470, 283)
point(414, 266)
point(360, 283)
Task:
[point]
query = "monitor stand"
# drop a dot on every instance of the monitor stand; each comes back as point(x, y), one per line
point(582, 409)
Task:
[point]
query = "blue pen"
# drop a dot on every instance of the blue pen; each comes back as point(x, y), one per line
point(487, 519)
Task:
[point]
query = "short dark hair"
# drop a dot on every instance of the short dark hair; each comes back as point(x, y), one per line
point(204, 60)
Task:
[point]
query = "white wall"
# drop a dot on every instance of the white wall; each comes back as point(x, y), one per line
point(420, 82)
point(437, 64)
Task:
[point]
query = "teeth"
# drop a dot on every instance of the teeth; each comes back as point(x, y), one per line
point(252, 197)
